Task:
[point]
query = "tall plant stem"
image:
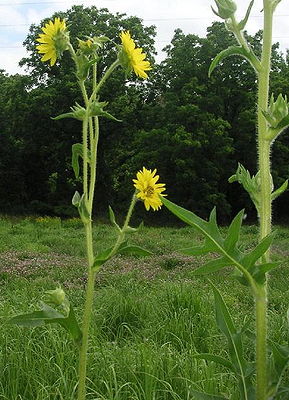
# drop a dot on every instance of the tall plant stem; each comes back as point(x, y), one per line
point(86, 315)
point(89, 177)
point(261, 343)
point(263, 143)
point(265, 201)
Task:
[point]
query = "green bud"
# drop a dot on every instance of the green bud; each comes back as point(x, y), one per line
point(91, 45)
point(277, 115)
point(85, 46)
point(281, 108)
point(77, 112)
point(83, 64)
point(226, 8)
point(56, 296)
point(96, 109)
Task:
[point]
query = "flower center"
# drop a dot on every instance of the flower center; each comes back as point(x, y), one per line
point(149, 191)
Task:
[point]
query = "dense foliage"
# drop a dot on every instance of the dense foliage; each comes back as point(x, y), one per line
point(192, 128)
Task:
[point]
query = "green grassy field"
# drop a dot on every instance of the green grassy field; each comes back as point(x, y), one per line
point(150, 314)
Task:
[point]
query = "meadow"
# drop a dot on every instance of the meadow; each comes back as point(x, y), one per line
point(150, 315)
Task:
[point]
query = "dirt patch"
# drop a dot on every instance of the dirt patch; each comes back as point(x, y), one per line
point(71, 271)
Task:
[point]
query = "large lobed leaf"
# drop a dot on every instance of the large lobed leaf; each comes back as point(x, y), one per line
point(227, 248)
point(48, 315)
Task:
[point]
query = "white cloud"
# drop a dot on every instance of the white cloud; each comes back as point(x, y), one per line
point(10, 58)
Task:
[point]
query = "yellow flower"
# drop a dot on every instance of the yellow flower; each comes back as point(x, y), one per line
point(54, 40)
point(133, 58)
point(148, 189)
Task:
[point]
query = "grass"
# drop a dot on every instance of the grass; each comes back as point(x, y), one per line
point(150, 314)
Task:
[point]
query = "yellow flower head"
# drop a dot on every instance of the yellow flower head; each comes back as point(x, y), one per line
point(148, 189)
point(132, 58)
point(54, 41)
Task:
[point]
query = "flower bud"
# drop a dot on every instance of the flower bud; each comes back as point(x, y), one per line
point(83, 65)
point(281, 107)
point(226, 8)
point(85, 46)
point(56, 296)
point(91, 45)
point(277, 111)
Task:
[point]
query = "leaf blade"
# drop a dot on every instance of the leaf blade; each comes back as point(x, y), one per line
point(230, 51)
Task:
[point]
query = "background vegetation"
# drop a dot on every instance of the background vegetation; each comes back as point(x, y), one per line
point(193, 129)
point(150, 316)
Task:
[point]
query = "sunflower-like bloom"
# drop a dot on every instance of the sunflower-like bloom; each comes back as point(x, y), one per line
point(148, 189)
point(54, 41)
point(132, 58)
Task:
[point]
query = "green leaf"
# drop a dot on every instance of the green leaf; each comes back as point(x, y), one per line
point(134, 250)
point(83, 211)
point(233, 234)
point(207, 247)
point(48, 315)
point(250, 184)
point(244, 21)
point(185, 215)
point(217, 359)
point(283, 123)
point(71, 325)
point(130, 229)
point(213, 243)
point(207, 228)
point(76, 199)
point(223, 317)
point(112, 218)
point(226, 325)
point(77, 112)
point(212, 226)
point(213, 266)
point(280, 357)
point(251, 258)
point(96, 110)
point(275, 4)
point(205, 396)
point(279, 191)
point(260, 271)
point(101, 258)
point(36, 318)
point(77, 151)
point(230, 51)
point(227, 248)
point(280, 361)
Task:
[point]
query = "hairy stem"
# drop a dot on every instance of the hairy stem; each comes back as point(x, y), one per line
point(93, 150)
point(122, 233)
point(82, 366)
point(85, 157)
point(261, 344)
point(88, 189)
point(263, 143)
point(104, 79)
point(265, 200)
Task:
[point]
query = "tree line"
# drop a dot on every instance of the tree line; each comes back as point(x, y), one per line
point(193, 129)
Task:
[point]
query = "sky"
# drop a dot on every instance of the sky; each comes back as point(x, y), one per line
point(192, 16)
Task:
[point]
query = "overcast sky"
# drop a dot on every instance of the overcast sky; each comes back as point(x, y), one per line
point(192, 16)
